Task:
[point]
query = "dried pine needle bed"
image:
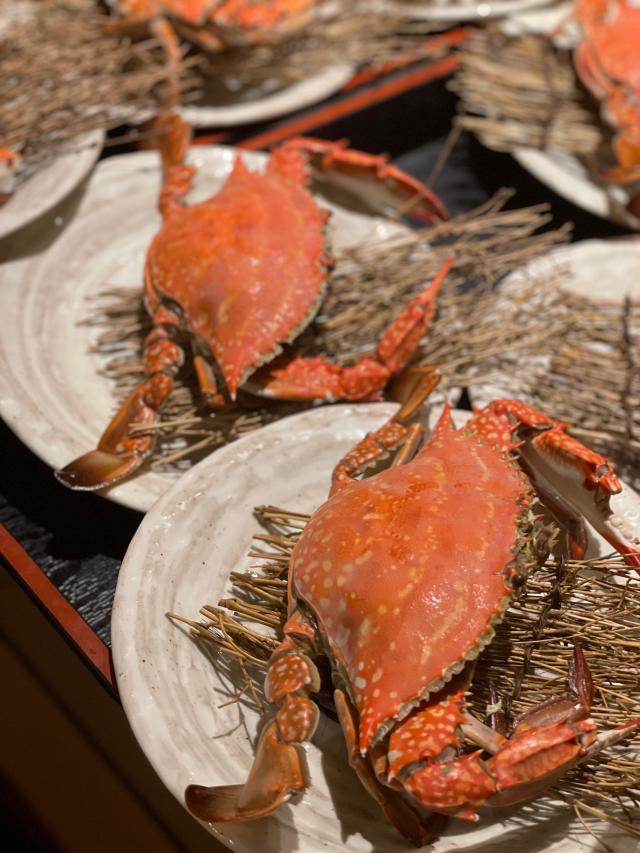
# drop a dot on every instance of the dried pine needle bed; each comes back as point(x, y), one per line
point(522, 92)
point(593, 602)
point(472, 334)
point(62, 75)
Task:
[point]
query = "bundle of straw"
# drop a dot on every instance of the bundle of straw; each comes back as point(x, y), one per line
point(521, 92)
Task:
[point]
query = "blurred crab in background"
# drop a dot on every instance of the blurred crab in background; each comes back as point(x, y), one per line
point(607, 60)
point(244, 272)
point(399, 580)
point(218, 24)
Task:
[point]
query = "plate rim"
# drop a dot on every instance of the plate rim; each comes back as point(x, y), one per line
point(296, 96)
point(85, 149)
point(543, 165)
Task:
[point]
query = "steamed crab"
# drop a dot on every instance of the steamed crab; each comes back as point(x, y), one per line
point(217, 24)
point(400, 579)
point(244, 272)
point(607, 61)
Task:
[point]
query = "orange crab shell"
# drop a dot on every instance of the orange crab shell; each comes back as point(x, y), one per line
point(408, 571)
point(260, 227)
point(609, 49)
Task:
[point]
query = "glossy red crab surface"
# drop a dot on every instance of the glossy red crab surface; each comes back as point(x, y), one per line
point(242, 273)
point(247, 267)
point(607, 61)
point(216, 24)
point(399, 579)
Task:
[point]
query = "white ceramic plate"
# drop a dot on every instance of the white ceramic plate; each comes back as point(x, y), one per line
point(52, 392)
point(461, 10)
point(178, 560)
point(606, 270)
point(598, 269)
point(543, 19)
point(46, 187)
point(227, 108)
point(566, 175)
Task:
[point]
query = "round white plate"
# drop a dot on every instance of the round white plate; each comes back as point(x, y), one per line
point(543, 19)
point(604, 270)
point(264, 102)
point(460, 10)
point(52, 392)
point(566, 175)
point(179, 560)
point(46, 187)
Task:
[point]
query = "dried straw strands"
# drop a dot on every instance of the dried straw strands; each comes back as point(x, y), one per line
point(62, 75)
point(354, 35)
point(522, 92)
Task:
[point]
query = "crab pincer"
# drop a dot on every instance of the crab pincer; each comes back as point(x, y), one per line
point(242, 274)
point(391, 581)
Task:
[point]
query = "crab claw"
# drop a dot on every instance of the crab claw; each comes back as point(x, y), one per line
point(578, 481)
point(588, 484)
point(371, 177)
point(318, 379)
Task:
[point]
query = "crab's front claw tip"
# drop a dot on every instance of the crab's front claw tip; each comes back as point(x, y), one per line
point(610, 484)
point(97, 469)
point(611, 737)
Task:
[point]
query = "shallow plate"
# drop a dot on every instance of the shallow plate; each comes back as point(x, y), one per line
point(178, 560)
point(225, 107)
point(566, 175)
point(461, 10)
point(52, 391)
point(46, 187)
point(598, 269)
point(604, 270)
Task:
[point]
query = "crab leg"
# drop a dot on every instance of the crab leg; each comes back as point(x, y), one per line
point(394, 433)
point(318, 379)
point(400, 813)
point(387, 186)
point(559, 464)
point(279, 767)
point(121, 451)
point(173, 143)
point(547, 742)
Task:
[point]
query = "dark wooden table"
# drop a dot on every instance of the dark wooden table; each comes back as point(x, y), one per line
point(66, 547)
